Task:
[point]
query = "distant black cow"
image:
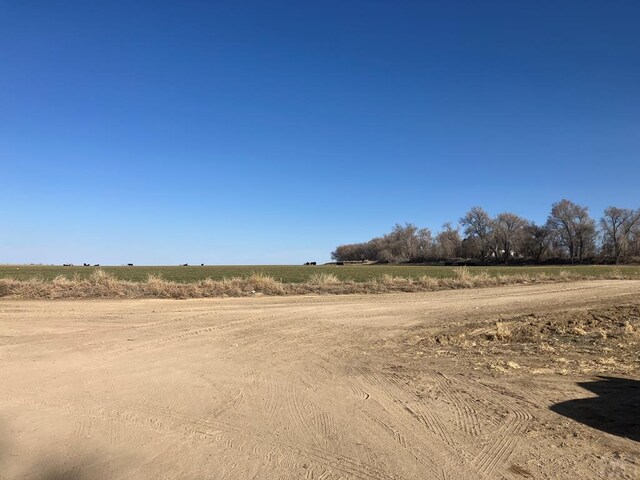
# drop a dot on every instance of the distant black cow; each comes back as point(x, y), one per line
point(97, 265)
point(129, 264)
point(86, 264)
point(202, 264)
point(312, 263)
point(66, 264)
point(184, 265)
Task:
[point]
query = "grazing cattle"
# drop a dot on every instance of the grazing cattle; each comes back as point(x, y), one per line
point(86, 265)
point(202, 264)
point(97, 265)
point(66, 264)
point(313, 263)
point(184, 265)
point(129, 264)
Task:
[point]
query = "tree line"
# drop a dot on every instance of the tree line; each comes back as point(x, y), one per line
point(570, 234)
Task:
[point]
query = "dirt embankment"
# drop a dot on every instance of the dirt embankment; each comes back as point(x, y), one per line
point(387, 387)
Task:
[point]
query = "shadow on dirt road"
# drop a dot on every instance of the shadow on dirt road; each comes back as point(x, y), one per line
point(614, 410)
point(40, 471)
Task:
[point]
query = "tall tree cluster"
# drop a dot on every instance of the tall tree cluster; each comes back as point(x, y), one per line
point(569, 234)
point(405, 243)
point(620, 229)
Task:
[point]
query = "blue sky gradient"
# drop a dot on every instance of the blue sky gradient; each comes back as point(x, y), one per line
point(270, 132)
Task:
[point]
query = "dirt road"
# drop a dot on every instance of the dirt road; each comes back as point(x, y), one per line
point(289, 388)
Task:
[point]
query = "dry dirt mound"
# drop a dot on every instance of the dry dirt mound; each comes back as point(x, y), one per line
point(578, 341)
point(576, 327)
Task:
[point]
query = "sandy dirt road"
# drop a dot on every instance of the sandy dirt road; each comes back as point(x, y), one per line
point(287, 388)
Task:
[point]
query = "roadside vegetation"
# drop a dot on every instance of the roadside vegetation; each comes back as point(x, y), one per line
point(300, 273)
point(101, 284)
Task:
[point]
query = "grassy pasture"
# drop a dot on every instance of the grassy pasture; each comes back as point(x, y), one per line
point(298, 273)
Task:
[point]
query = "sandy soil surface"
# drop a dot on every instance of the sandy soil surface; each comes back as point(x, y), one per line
point(470, 384)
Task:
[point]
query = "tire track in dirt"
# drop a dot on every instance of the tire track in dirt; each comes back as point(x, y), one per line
point(466, 415)
point(235, 437)
point(487, 463)
point(296, 410)
point(503, 444)
point(496, 454)
point(412, 447)
point(359, 392)
point(272, 406)
point(186, 334)
point(436, 449)
point(291, 346)
point(229, 471)
point(344, 464)
point(72, 464)
point(286, 402)
point(114, 427)
point(320, 423)
point(415, 407)
point(235, 400)
point(391, 387)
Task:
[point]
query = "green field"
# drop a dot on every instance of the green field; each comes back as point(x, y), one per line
point(297, 273)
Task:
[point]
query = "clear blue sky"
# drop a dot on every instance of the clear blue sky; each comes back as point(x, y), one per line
point(238, 132)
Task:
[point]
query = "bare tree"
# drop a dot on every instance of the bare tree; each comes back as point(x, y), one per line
point(470, 247)
point(586, 231)
point(448, 242)
point(618, 225)
point(402, 242)
point(408, 243)
point(349, 253)
point(425, 244)
point(561, 223)
point(536, 242)
point(573, 228)
point(478, 224)
point(508, 231)
point(405, 243)
point(634, 241)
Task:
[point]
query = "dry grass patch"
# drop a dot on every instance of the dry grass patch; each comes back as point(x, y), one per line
point(101, 284)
